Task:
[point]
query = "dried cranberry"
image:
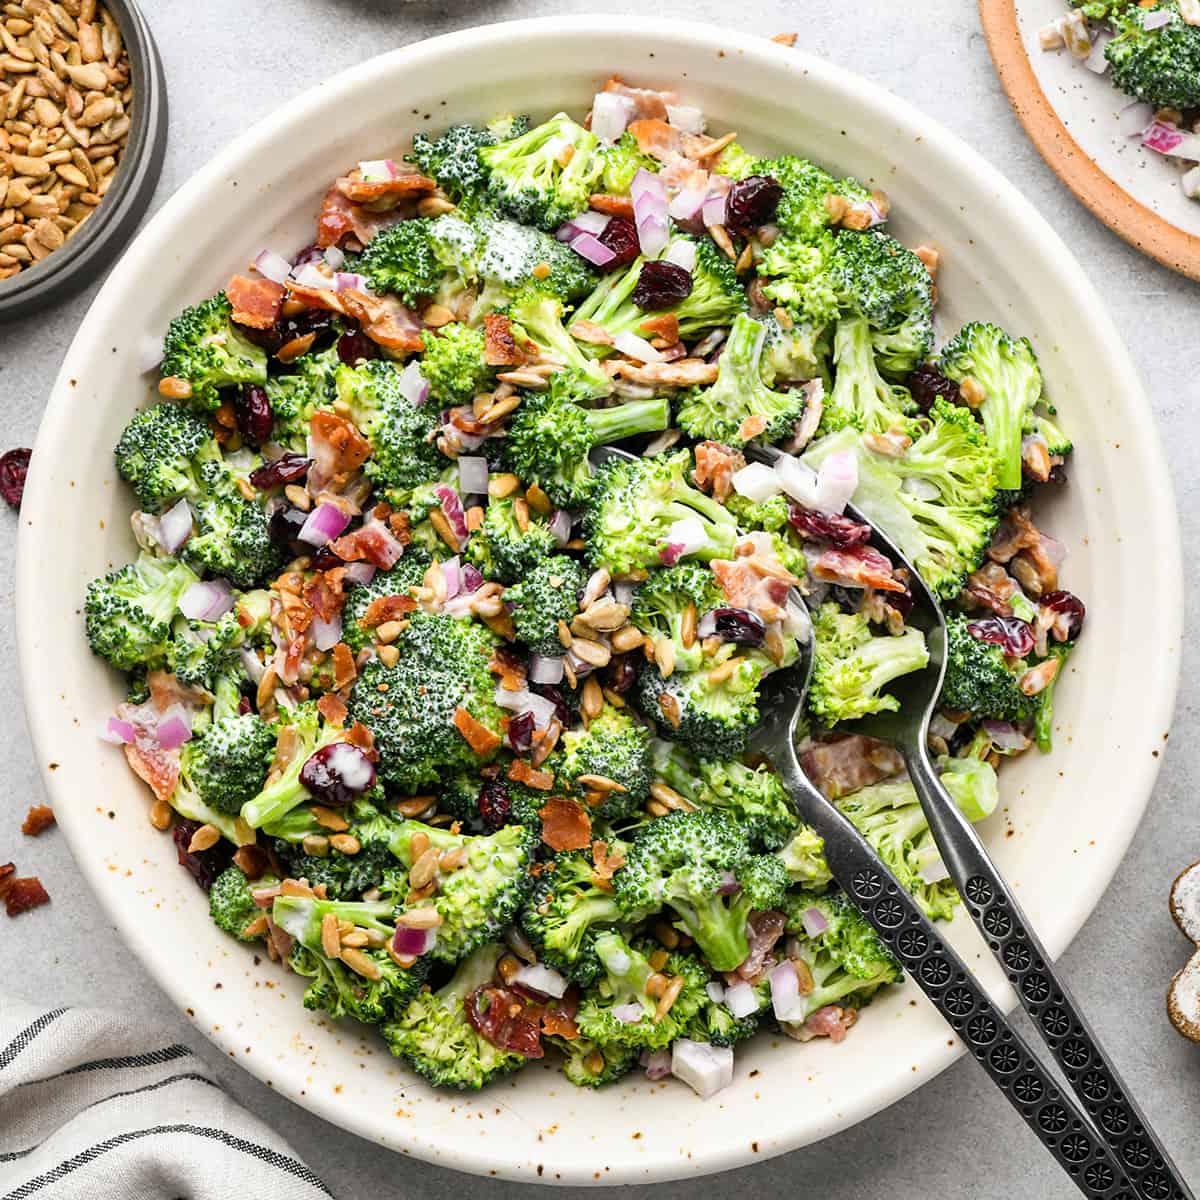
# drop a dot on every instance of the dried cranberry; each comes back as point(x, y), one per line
point(840, 532)
point(902, 602)
point(1058, 474)
point(338, 774)
point(354, 345)
point(620, 236)
point(283, 528)
point(494, 803)
point(287, 469)
point(928, 384)
point(324, 559)
point(739, 625)
point(255, 420)
point(310, 253)
point(751, 202)
point(661, 284)
point(313, 320)
point(1069, 612)
point(499, 1016)
point(1012, 635)
point(548, 691)
point(620, 674)
point(520, 731)
point(204, 865)
point(243, 705)
point(14, 466)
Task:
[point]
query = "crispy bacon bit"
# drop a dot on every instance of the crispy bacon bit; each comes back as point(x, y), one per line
point(333, 709)
point(590, 332)
point(253, 861)
point(604, 865)
point(502, 1017)
point(383, 318)
point(685, 372)
point(323, 593)
point(289, 658)
point(846, 764)
point(859, 566)
point(408, 182)
point(39, 818)
point(1015, 532)
point(663, 325)
point(745, 586)
point(477, 735)
point(500, 348)
point(751, 427)
point(522, 772)
point(155, 766)
point(765, 929)
point(560, 1022)
point(565, 824)
point(386, 608)
point(359, 735)
point(20, 893)
point(785, 39)
point(371, 542)
point(646, 102)
point(344, 670)
point(340, 218)
point(346, 448)
point(256, 302)
point(832, 1021)
point(657, 139)
point(716, 466)
point(992, 588)
point(613, 206)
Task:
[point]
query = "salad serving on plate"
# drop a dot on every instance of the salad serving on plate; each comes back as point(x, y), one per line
point(451, 717)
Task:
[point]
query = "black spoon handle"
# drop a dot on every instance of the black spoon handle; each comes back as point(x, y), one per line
point(1043, 994)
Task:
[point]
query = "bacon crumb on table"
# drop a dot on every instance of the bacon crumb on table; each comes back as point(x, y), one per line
point(20, 893)
point(39, 818)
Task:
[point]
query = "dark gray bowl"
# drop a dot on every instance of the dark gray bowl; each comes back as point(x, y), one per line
point(82, 260)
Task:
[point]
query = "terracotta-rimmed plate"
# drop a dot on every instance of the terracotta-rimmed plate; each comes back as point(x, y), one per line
point(1070, 114)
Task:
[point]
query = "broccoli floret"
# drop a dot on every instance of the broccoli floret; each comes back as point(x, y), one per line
point(401, 259)
point(538, 318)
point(804, 859)
point(683, 860)
point(947, 535)
point(1007, 370)
point(567, 912)
point(770, 515)
point(548, 595)
point(588, 1064)
point(717, 296)
point(203, 347)
point(228, 762)
point(453, 160)
point(713, 719)
point(795, 275)
point(544, 177)
point(669, 604)
point(233, 540)
point(715, 1024)
point(404, 576)
point(736, 162)
point(1043, 719)
point(478, 898)
point(285, 793)
point(231, 903)
point(734, 408)
point(380, 991)
point(615, 746)
point(861, 397)
point(851, 665)
point(505, 551)
point(453, 364)
point(1058, 443)
point(635, 506)
point(204, 654)
point(622, 986)
point(972, 783)
point(164, 453)
point(410, 708)
point(754, 795)
point(461, 792)
point(1159, 65)
point(803, 211)
point(434, 1036)
point(795, 354)
point(978, 680)
point(128, 613)
point(551, 434)
point(621, 162)
point(307, 388)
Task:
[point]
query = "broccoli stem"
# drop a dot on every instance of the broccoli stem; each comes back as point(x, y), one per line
point(719, 928)
point(628, 420)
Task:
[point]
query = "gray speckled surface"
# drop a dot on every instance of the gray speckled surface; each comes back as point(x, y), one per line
point(229, 63)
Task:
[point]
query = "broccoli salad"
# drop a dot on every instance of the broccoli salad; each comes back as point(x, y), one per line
point(452, 716)
point(1150, 49)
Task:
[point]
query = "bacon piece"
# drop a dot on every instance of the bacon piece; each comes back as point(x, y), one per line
point(344, 670)
point(500, 348)
point(20, 893)
point(383, 318)
point(657, 139)
point(716, 466)
point(565, 824)
point(685, 174)
point(39, 818)
point(281, 941)
point(1015, 532)
point(338, 446)
point(253, 861)
point(407, 182)
point(858, 566)
point(604, 865)
point(613, 206)
point(340, 218)
point(324, 595)
point(847, 764)
point(502, 1017)
point(478, 736)
point(256, 302)
point(746, 587)
point(990, 587)
point(333, 709)
point(387, 608)
point(832, 1021)
point(556, 1022)
point(664, 325)
point(371, 542)
point(166, 690)
point(359, 735)
point(288, 659)
point(155, 766)
point(765, 929)
point(522, 772)
point(646, 102)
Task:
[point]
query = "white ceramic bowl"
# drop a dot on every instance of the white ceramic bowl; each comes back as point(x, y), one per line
point(1066, 820)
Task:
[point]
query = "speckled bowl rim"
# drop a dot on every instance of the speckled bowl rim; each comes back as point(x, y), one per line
point(532, 1129)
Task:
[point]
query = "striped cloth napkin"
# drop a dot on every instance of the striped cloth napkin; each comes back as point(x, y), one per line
point(94, 1104)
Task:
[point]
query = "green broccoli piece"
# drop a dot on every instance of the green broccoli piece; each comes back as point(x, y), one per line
point(307, 388)
point(401, 259)
point(861, 397)
point(622, 987)
point(793, 355)
point(770, 515)
point(453, 364)
point(669, 603)
point(1043, 718)
point(721, 412)
point(436, 1038)
point(979, 680)
point(228, 762)
point(795, 275)
point(635, 507)
point(479, 898)
point(1160, 66)
point(1007, 370)
point(453, 160)
point(683, 860)
point(803, 211)
point(461, 793)
point(203, 346)
point(545, 176)
point(1058, 442)
point(410, 707)
point(502, 550)
point(736, 162)
point(621, 162)
point(205, 654)
point(381, 992)
point(615, 746)
point(165, 453)
point(231, 903)
point(128, 613)
point(407, 574)
point(549, 594)
point(973, 785)
point(588, 1064)
point(538, 318)
point(233, 540)
point(851, 665)
point(804, 859)
point(715, 1024)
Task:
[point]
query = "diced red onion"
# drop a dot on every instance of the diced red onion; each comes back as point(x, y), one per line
point(349, 282)
point(323, 524)
point(716, 991)
point(837, 481)
point(580, 666)
point(796, 622)
point(729, 885)
point(452, 509)
point(117, 731)
point(473, 474)
point(1095, 60)
point(590, 221)
point(472, 580)
point(470, 441)
point(688, 203)
point(611, 113)
point(628, 1014)
point(412, 943)
point(335, 257)
point(757, 482)
point(452, 574)
point(175, 526)
point(272, 266)
point(943, 727)
point(669, 553)
point(359, 572)
point(689, 533)
point(1157, 19)
point(310, 275)
point(1190, 182)
point(543, 669)
point(560, 526)
point(741, 999)
point(923, 489)
point(704, 1068)
point(377, 170)
point(1005, 735)
point(413, 385)
point(592, 249)
point(1165, 138)
point(635, 347)
point(814, 922)
point(657, 1064)
point(623, 591)
point(1133, 118)
point(685, 117)
point(150, 355)
point(326, 634)
point(544, 710)
point(714, 208)
point(650, 212)
point(173, 730)
point(543, 979)
point(682, 253)
point(254, 666)
point(786, 1000)
point(708, 343)
point(206, 600)
point(797, 479)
